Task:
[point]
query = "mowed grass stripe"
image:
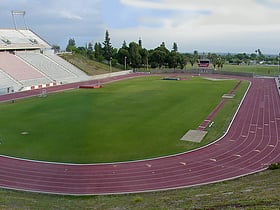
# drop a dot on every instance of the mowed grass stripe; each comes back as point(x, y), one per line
point(127, 120)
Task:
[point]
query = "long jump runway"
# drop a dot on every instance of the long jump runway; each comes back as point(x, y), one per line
point(251, 144)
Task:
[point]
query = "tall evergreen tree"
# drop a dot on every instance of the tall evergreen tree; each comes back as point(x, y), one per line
point(175, 47)
point(124, 45)
point(140, 42)
point(107, 47)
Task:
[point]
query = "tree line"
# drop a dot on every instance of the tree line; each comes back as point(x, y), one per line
point(134, 55)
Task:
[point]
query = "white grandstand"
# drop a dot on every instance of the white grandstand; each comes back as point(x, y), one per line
point(28, 62)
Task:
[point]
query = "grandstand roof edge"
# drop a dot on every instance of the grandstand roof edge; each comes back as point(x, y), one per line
point(41, 38)
point(19, 39)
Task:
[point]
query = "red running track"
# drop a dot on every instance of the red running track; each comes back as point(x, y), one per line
point(250, 145)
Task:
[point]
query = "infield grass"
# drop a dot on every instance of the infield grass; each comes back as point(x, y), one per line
point(127, 120)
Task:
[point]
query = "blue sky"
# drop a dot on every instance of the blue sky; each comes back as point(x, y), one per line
point(203, 25)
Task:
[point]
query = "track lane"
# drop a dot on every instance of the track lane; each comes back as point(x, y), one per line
point(250, 145)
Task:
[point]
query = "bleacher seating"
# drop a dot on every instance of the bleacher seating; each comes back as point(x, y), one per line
point(63, 63)
point(49, 67)
point(6, 81)
point(20, 71)
point(27, 61)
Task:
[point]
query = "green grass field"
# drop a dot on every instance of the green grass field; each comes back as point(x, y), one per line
point(127, 120)
point(264, 70)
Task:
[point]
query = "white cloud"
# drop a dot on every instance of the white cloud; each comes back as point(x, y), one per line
point(68, 15)
point(208, 25)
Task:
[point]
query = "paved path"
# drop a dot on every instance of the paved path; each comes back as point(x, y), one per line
point(251, 144)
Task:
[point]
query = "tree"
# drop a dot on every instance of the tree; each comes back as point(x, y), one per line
point(162, 45)
point(192, 59)
point(260, 57)
point(157, 58)
point(107, 49)
point(134, 55)
point(140, 43)
point(220, 62)
point(90, 47)
point(90, 50)
point(253, 56)
point(56, 48)
point(214, 58)
point(71, 45)
point(124, 45)
point(123, 56)
point(144, 56)
point(98, 52)
point(182, 61)
point(160, 55)
point(175, 47)
point(173, 59)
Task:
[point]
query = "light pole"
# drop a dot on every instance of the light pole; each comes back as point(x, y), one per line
point(125, 63)
point(110, 64)
point(147, 63)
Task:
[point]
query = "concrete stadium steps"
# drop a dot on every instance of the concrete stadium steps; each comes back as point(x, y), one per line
point(53, 70)
point(7, 81)
point(63, 63)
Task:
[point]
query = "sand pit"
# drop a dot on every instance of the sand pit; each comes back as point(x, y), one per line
point(194, 136)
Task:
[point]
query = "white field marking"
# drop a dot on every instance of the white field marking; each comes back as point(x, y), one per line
point(213, 159)
point(24, 133)
point(183, 163)
point(228, 193)
point(260, 128)
point(244, 136)
point(256, 150)
point(148, 165)
point(247, 190)
point(252, 132)
point(202, 195)
point(266, 124)
point(272, 121)
point(237, 155)
point(271, 145)
point(115, 166)
point(232, 140)
point(265, 164)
